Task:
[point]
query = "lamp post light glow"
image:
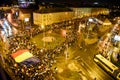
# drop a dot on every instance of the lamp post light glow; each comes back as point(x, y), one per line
point(43, 27)
point(64, 33)
point(108, 34)
point(22, 18)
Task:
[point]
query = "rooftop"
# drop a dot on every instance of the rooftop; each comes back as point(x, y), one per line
point(52, 10)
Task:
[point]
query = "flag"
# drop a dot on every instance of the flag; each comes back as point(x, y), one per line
point(24, 57)
point(21, 55)
point(30, 61)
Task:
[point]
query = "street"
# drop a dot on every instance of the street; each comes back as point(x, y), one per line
point(81, 62)
point(72, 53)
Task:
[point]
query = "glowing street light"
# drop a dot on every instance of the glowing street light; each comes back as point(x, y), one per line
point(22, 19)
point(108, 34)
point(64, 33)
point(43, 27)
point(22, 16)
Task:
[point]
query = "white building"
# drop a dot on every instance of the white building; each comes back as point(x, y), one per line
point(82, 12)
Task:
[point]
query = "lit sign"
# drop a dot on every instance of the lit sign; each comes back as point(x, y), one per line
point(25, 3)
point(117, 38)
point(26, 19)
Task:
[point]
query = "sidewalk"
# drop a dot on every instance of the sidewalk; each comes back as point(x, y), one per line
point(104, 28)
point(91, 41)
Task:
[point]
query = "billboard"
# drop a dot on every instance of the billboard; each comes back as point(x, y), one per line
point(117, 38)
point(25, 3)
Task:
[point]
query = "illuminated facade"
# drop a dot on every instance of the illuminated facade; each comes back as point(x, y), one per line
point(50, 18)
point(81, 12)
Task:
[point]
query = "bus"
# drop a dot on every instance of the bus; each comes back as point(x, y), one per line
point(107, 66)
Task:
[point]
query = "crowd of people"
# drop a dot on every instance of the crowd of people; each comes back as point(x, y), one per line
point(42, 70)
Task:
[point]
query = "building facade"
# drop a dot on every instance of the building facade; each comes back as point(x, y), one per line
point(83, 12)
point(42, 19)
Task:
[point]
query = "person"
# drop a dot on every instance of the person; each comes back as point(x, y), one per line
point(3, 74)
point(95, 78)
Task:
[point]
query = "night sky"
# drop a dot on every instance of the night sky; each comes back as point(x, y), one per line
point(84, 2)
point(5, 1)
point(75, 2)
point(79, 1)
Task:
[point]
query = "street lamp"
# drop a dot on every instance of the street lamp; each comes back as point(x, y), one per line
point(64, 33)
point(43, 28)
point(108, 34)
point(22, 18)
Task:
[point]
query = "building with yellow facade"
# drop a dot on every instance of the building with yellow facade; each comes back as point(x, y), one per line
point(83, 12)
point(47, 16)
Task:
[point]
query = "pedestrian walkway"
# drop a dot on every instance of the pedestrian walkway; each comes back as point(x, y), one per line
point(102, 29)
point(90, 41)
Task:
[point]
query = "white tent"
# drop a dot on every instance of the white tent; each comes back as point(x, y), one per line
point(107, 22)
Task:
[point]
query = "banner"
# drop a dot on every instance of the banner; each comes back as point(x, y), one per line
point(24, 57)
